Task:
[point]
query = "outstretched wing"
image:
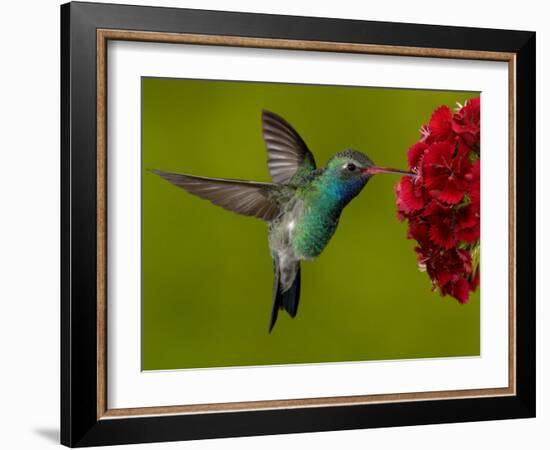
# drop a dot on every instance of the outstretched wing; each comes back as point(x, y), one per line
point(287, 152)
point(242, 197)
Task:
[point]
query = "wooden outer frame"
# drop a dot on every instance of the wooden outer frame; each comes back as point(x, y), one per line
point(101, 428)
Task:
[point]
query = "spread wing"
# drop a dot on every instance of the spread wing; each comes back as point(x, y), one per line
point(242, 197)
point(287, 152)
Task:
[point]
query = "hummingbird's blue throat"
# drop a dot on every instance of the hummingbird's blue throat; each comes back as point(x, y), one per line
point(337, 191)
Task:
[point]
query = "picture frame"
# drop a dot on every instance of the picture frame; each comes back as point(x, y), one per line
point(86, 30)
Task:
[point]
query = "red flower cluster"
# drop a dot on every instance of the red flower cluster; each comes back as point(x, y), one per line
point(441, 202)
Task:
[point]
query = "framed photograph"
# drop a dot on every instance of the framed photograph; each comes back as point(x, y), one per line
point(276, 224)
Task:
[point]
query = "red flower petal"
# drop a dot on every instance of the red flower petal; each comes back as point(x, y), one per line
point(469, 235)
point(466, 123)
point(474, 189)
point(443, 278)
point(446, 170)
point(435, 208)
point(472, 109)
point(453, 192)
point(437, 162)
point(415, 153)
point(466, 217)
point(440, 124)
point(461, 290)
point(442, 234)
point(441, 221)
point(419, 231)
point(409, 198)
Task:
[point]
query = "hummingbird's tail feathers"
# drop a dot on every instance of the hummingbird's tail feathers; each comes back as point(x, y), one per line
point(285, 299)
point(276, 298)
point(242, 197)
point(287, 153)
point(291, 297)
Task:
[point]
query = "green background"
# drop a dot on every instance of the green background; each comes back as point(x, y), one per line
point(207, 273)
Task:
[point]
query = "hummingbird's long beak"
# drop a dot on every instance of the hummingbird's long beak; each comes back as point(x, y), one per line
point(372, 170)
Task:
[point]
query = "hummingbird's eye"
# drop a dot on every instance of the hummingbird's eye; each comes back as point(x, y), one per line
point(351, 167)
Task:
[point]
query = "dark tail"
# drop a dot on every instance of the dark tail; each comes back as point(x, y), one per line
point(287, 300)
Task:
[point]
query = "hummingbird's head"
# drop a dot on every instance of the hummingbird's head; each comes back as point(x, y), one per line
point(351, 170)
point(351, 164)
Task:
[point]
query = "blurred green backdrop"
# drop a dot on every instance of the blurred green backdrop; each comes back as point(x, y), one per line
point(207, 273)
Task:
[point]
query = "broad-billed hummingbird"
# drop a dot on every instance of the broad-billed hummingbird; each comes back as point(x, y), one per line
point(301, 206)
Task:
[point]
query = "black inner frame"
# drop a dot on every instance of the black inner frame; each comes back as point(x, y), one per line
point(79, 423)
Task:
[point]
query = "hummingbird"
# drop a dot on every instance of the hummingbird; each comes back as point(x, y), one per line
point(302, 205)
